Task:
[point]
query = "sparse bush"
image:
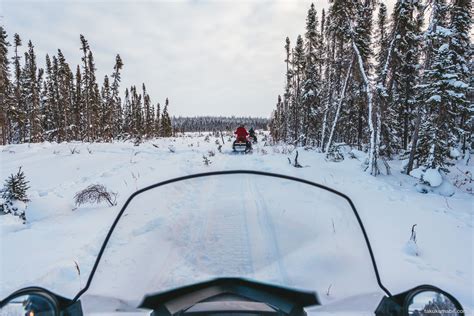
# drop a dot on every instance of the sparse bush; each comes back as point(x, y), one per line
point(137, 141)
point(14, 195)
point(219, 148)
point(74, 150)
point(334, 154)
point(206, 160)
point(95, 193)
point(211, 153)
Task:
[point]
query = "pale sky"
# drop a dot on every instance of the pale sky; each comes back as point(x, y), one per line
point(209, 57)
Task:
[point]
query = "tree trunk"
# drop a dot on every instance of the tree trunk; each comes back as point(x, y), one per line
point(414, 141)
point(339, 105)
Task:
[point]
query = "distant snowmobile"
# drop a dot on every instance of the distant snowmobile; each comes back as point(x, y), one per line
point(242, 143)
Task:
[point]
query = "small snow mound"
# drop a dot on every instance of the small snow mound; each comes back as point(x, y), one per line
point(445, 189)
point(430, 176)
point(454, 153)
point(433, 177)
point(411, 248)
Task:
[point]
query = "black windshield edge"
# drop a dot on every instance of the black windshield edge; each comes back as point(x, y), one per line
point(217, 173)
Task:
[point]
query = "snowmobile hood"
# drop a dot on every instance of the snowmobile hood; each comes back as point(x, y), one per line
point(183, 298)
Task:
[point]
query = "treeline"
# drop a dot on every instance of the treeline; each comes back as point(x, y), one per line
point(216, 123)
point(388, 85)
point(60, 103)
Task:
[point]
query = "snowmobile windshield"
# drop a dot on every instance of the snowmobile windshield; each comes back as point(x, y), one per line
point(255, 226)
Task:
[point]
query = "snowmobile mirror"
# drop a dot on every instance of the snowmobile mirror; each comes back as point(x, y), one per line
point(34, 303)
point(432, 302)
point(37, 301)
point(420, 301)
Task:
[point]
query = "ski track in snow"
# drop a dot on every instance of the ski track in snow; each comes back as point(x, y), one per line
point(271, 252)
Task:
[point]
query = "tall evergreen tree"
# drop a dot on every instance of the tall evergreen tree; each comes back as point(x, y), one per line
point(158, 120)
point(64, 98)
point(166, 127)
point(116, 101)
point(460, 54)
point(311, 90)
point(105, 129)
point(5, 102)
point(78, 107)
point(17, 112)
point(443, 94)
point(32, 90)
point(93, 94)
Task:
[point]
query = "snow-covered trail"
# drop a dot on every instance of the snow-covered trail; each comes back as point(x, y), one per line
point(234, 238)
point(44, 251)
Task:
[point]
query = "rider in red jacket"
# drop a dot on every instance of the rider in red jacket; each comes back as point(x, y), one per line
point(241, 133)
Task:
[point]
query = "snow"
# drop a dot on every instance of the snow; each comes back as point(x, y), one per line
point(58, 233)
point(454, 153)
point(435, 98)
point(411, 248)
point(430, 176)
point(458, 84)
point(443, 48)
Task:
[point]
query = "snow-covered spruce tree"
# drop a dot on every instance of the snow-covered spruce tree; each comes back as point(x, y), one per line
point(65, 98)
point(127, 115)
point(149, 115)
point(49, 101)
point(14, 195)
point(55, 106)
point(461, 53)
point(158, 121)
point(5, 102)
point(78, 118)
point(31, 97)
point(397, 75)
point(94, 97)
point(166, 127)
point(287, 96)
point(311, 95)
point(296, 107)
point(86, 86)
point(276, 121)
point(117, 118)
point(442, 93)
point(327, 77)
point(137, 113)
point(106, 112)
point(17, 114)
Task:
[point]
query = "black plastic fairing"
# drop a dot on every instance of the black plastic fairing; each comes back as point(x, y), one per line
point(181, 299)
